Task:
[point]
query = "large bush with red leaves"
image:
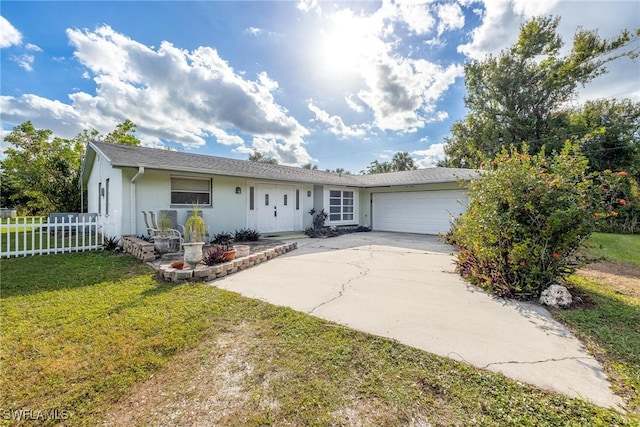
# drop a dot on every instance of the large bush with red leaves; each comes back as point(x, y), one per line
point(528, 217)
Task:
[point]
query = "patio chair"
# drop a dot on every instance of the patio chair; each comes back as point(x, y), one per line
point(147, 223)
point(163, 231)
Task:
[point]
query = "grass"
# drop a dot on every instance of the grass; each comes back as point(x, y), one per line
point(610, 327)
point(617, 247)
point(609, 323)
point(82, 332)
point(30, 222)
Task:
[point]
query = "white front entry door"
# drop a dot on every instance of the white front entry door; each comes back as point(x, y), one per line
point(275, 207)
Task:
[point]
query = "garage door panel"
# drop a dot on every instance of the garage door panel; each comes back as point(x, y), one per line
point(425, 212)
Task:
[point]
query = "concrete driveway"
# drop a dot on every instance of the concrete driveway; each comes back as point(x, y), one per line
point(404, 287)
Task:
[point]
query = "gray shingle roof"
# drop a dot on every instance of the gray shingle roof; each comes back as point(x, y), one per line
point(153, 158)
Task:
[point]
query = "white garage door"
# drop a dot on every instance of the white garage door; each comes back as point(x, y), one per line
point(424, 212)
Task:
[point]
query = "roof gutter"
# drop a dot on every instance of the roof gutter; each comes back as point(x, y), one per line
point(132, 216)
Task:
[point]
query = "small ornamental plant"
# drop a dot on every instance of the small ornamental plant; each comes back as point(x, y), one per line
point(527, 218)
point(195, 228)
point(215, 255)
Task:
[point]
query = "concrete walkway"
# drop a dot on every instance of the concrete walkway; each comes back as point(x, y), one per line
point(404, 287)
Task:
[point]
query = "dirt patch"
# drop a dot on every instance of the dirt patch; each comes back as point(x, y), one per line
point(622, 277)
point(201, 386)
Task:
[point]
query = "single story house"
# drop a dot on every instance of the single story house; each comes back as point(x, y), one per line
point(122, 181)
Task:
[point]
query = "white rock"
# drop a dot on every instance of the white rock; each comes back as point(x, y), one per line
point(556, 296)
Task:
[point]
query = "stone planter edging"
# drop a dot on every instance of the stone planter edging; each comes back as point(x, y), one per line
point(207, 273)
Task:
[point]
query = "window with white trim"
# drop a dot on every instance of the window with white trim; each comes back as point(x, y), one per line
point(190, 191)
point(341, 205)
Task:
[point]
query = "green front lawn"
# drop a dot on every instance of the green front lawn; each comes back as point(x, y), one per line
point(617, 247)
point(609, 325)
point(82, 332)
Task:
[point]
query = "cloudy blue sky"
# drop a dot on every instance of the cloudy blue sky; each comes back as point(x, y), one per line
point(337, 84)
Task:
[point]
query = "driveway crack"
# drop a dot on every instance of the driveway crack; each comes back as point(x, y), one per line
point(364, 271)
point(515, 362)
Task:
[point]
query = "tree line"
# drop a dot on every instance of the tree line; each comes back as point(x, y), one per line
point(40, 173)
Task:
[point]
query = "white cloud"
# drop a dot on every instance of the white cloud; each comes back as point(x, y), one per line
point(353, 103)
point(254, 31)
point(25, 61)
point(334, 123)
point(61, 118)
point(171, 94)
point(430, 157)
point(451, 17)
point(309, 6)
point(285, 153)
point(416, 15)
point(401, 91)
point(9, 36)
point(33, 47)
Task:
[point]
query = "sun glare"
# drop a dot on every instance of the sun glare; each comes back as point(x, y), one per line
point(343, 45)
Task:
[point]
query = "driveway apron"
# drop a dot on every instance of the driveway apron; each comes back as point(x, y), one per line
point(404, 287)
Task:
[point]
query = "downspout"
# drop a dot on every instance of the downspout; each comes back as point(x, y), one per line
point(132, 216)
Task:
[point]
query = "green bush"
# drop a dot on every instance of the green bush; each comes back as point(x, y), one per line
point(527, 220)
point(623, 201)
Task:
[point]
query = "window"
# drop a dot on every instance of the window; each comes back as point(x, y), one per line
point(106, 198)
point(298, 200)
point(99, 198)
point(266, 200)
point(284, 202)
point(341, 205)
point(251, 198)
point(189, 191)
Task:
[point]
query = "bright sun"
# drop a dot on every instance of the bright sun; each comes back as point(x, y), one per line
point(343, 45)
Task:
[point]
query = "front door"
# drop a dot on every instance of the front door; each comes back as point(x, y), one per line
point(275, 207)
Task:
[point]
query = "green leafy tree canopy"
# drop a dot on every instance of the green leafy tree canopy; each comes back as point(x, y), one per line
point(401, 161)
point(519, 95)
point(42, 172)
point(257, 156)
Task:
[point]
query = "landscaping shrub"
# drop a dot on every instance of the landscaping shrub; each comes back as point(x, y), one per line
point(623, 201)
point(215, 255)
point(320, 230)
point(528, 218)
point(246, 235)
point(222, 238)
point(112, 244)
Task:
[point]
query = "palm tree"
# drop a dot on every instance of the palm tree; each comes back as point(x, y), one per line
point(377, 167)
point(402, 161)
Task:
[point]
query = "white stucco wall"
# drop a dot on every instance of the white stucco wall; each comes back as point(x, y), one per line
point(229, 210)
point(100, 173)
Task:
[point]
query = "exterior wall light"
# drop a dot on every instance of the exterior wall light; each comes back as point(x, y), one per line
point(238, 190)
point(309, 193)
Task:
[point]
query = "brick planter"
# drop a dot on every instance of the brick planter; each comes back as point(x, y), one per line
point(209, 273)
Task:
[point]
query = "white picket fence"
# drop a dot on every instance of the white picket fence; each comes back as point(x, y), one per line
point(59, 233)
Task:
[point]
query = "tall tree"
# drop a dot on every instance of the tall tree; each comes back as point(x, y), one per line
point(377, 167)
point(518, 96)
point(609, 133)
point(401, 161)
point(124, 133)
point(257, 156)
point(42, 172)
